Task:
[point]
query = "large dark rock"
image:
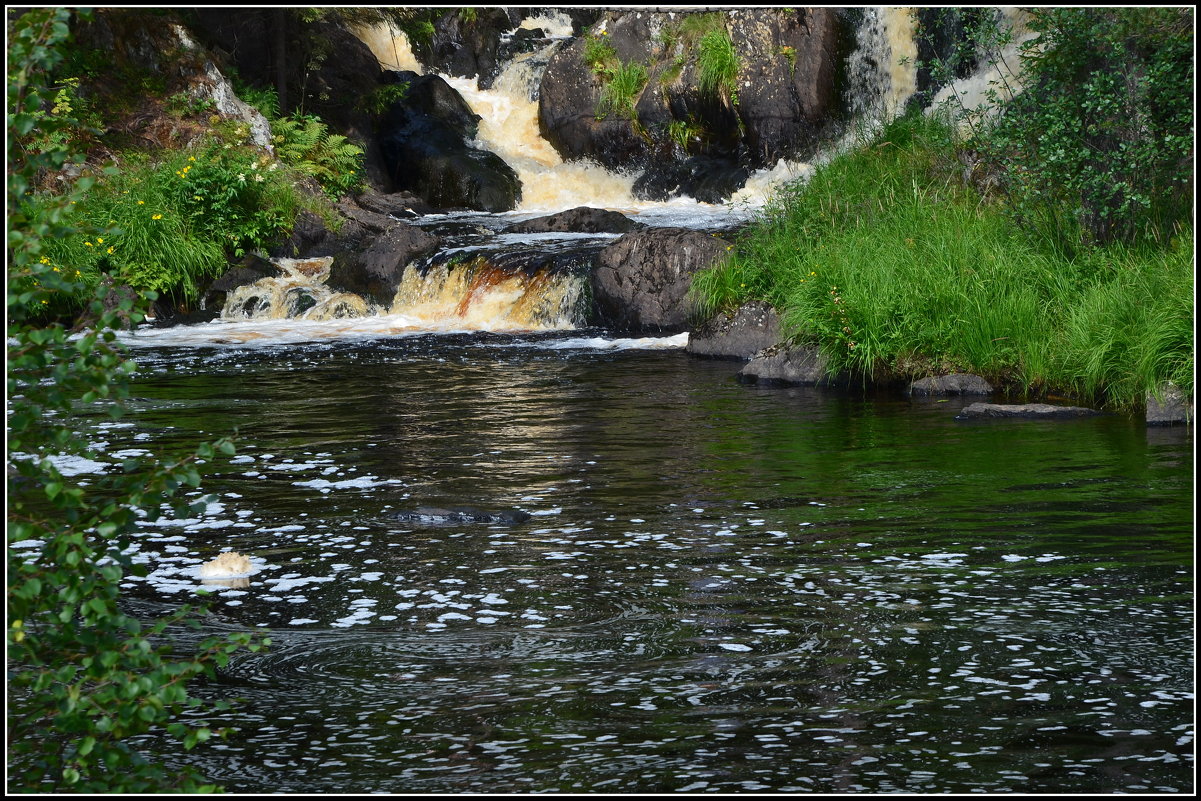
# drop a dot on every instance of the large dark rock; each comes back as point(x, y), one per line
point(752, 328)
point(570, 94)
point(984, 411)
point(467, 46)
point(641, 281)
point(582, 219)
point(788, 64)
point(786, 96)
point(424, 140)
point(375, 274)
point(708, 179)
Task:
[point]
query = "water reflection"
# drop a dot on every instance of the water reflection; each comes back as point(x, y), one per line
point(720, 589)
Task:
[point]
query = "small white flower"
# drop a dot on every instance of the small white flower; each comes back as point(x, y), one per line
point(241, 177)
point(259, 178)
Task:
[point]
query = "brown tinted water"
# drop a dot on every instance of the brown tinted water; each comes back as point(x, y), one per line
point(721, 588)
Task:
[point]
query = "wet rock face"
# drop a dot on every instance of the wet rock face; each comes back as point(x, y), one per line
point(708, 179)
point(424, 143)
point(582, 219)
point(786, 95)
point(787, 86)
point(641, 281)
point(751, 329)
point(375, 274)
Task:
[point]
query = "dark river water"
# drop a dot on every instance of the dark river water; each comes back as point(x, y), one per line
point(720, 588)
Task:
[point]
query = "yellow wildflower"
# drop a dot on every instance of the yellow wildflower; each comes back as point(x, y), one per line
point(89, 244)
point(110, 250)
point(141, 202)
point(100, 239)
point(156, 217)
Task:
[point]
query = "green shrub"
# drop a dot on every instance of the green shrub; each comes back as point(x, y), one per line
point(171, 225)
point(83, 676)
point(1100, 140)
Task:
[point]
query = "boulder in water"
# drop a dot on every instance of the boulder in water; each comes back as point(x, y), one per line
point(641, 281)
point(375, 274)
point(582, 219)
point(752, 328)
point(980, 411)
point(455, 515)
point(425, 140)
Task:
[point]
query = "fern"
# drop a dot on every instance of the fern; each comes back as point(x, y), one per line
point(305, 143)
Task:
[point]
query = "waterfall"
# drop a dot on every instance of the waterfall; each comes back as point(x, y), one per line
point(390, 47)
point(299, 293)
point(479, 295)
point(998, 72)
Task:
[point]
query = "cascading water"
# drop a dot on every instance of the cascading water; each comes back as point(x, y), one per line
point(496, 281)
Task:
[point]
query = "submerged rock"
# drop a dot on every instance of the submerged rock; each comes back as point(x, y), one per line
point(788, 367)
point(953, 384)
point(752, 328)
point(979, 411)
point(440, 516)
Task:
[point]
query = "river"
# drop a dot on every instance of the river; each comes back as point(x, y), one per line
point(720, 588)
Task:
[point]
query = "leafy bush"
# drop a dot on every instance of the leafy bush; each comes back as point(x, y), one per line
point(170, 225)
point(1102, 133)
point(83, 676)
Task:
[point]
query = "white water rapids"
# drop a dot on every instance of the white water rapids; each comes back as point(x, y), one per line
point(299, 308)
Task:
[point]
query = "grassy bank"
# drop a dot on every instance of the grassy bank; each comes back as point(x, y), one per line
point(894, 267)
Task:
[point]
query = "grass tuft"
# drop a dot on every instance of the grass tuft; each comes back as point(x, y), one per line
point(888, 263)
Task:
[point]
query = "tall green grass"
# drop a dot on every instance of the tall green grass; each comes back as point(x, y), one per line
point(171, 222)
point(894, 268)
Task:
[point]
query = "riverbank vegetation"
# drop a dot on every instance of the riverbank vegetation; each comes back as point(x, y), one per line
point(85, 676)
point(1048, 247)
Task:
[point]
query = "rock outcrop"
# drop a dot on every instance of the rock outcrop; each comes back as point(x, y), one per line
point(641, 281)
point(375, 274)
point(691, 137)
point(752, 328)
point(425, 143)
point(582, 220)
